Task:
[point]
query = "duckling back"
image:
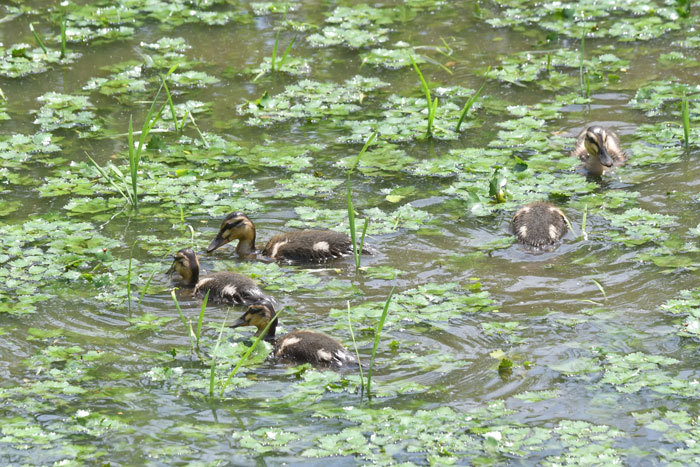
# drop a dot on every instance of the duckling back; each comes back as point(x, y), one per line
point(539, 224)
point(304, 346)
point(308, 246)
point(230, 287)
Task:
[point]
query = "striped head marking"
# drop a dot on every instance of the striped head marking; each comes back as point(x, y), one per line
point(259, 315)
point(235, 226)
point(186, 264)
point(596, 141)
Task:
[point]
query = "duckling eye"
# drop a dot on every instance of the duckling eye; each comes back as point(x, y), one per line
point(234, 223)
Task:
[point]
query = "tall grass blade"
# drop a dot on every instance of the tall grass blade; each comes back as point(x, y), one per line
point(247, 354)
point(125, 194)
point(212, 371)
point(377, 335)
point(204, 140)
point(351, 223)
point(274, 52)
point(170, 104)
point(580, 61)
point(63, 37)
point(38, 39)
point(584, 234)
point(431, 115)
point(286, 52)
point(182, 316)
point(600, 287)
point(201, 317)
point(357, 353)
point(145, 286)
point(128, 277)
point(351, 209)
point(426, 89)
point(470, 102)
point(133, 164)
point(362, 242)
point(685, 113)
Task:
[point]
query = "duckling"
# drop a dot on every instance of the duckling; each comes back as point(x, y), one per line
point(222, 286)
point(539, 224)
point(297, 347)
point(300, 246)
point(599, 149)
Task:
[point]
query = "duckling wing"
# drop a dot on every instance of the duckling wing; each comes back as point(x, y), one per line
point(313, 347)
point(580, 151)
point(308, 245)
point(230, 287)
point(614, 148)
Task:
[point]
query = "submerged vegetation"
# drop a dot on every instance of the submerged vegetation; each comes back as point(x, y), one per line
point(418, 126)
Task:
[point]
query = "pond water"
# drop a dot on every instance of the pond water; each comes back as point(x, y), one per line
point(96, 364)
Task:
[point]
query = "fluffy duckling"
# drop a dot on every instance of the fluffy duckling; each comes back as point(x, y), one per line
point(297, 347)
point(222, 286)
point(539, 224)
point(300, 246)
point(599, 149)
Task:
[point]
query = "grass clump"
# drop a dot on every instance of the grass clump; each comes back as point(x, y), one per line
point(128, 188)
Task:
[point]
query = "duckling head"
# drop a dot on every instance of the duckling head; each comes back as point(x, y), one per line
point(259, 314)
point(236, 226)
point(186, 264)
point(596, 141)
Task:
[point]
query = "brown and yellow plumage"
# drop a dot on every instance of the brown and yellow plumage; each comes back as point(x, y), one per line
point(599, 149)
point(299, 246)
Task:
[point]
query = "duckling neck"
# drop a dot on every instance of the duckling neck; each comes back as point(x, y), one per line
point(270, 336)
point(194, 277)
point(593, 166)
point(246, 246)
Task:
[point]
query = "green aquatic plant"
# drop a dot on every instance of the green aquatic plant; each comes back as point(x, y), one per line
point(377, 337)
point(129, 188)
point(357, 248)
point(434, 303)
point(393, 59)
point(310, 100)
point(357, 353)
point(38, 39)
point(63, 38)
point(470, 102)
point(688, 305)
point(683, 8)
point(273, 61)
point(212, 368)
point(431, 105)
point(685, 116)
point(355, 26)
point(147, 322)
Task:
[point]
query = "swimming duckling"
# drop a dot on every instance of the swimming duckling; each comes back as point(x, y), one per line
point(302, 346)
point(599, 149)
point(223, 286)
point(302, 245)
point(539, 224)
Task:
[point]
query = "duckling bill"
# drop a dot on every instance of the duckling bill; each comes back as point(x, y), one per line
point(224, 286)
point(299, 246)
point(296, 347)
point(539, 224)
point(599, 149)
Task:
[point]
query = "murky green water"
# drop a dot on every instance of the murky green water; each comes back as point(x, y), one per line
point(603, 342)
